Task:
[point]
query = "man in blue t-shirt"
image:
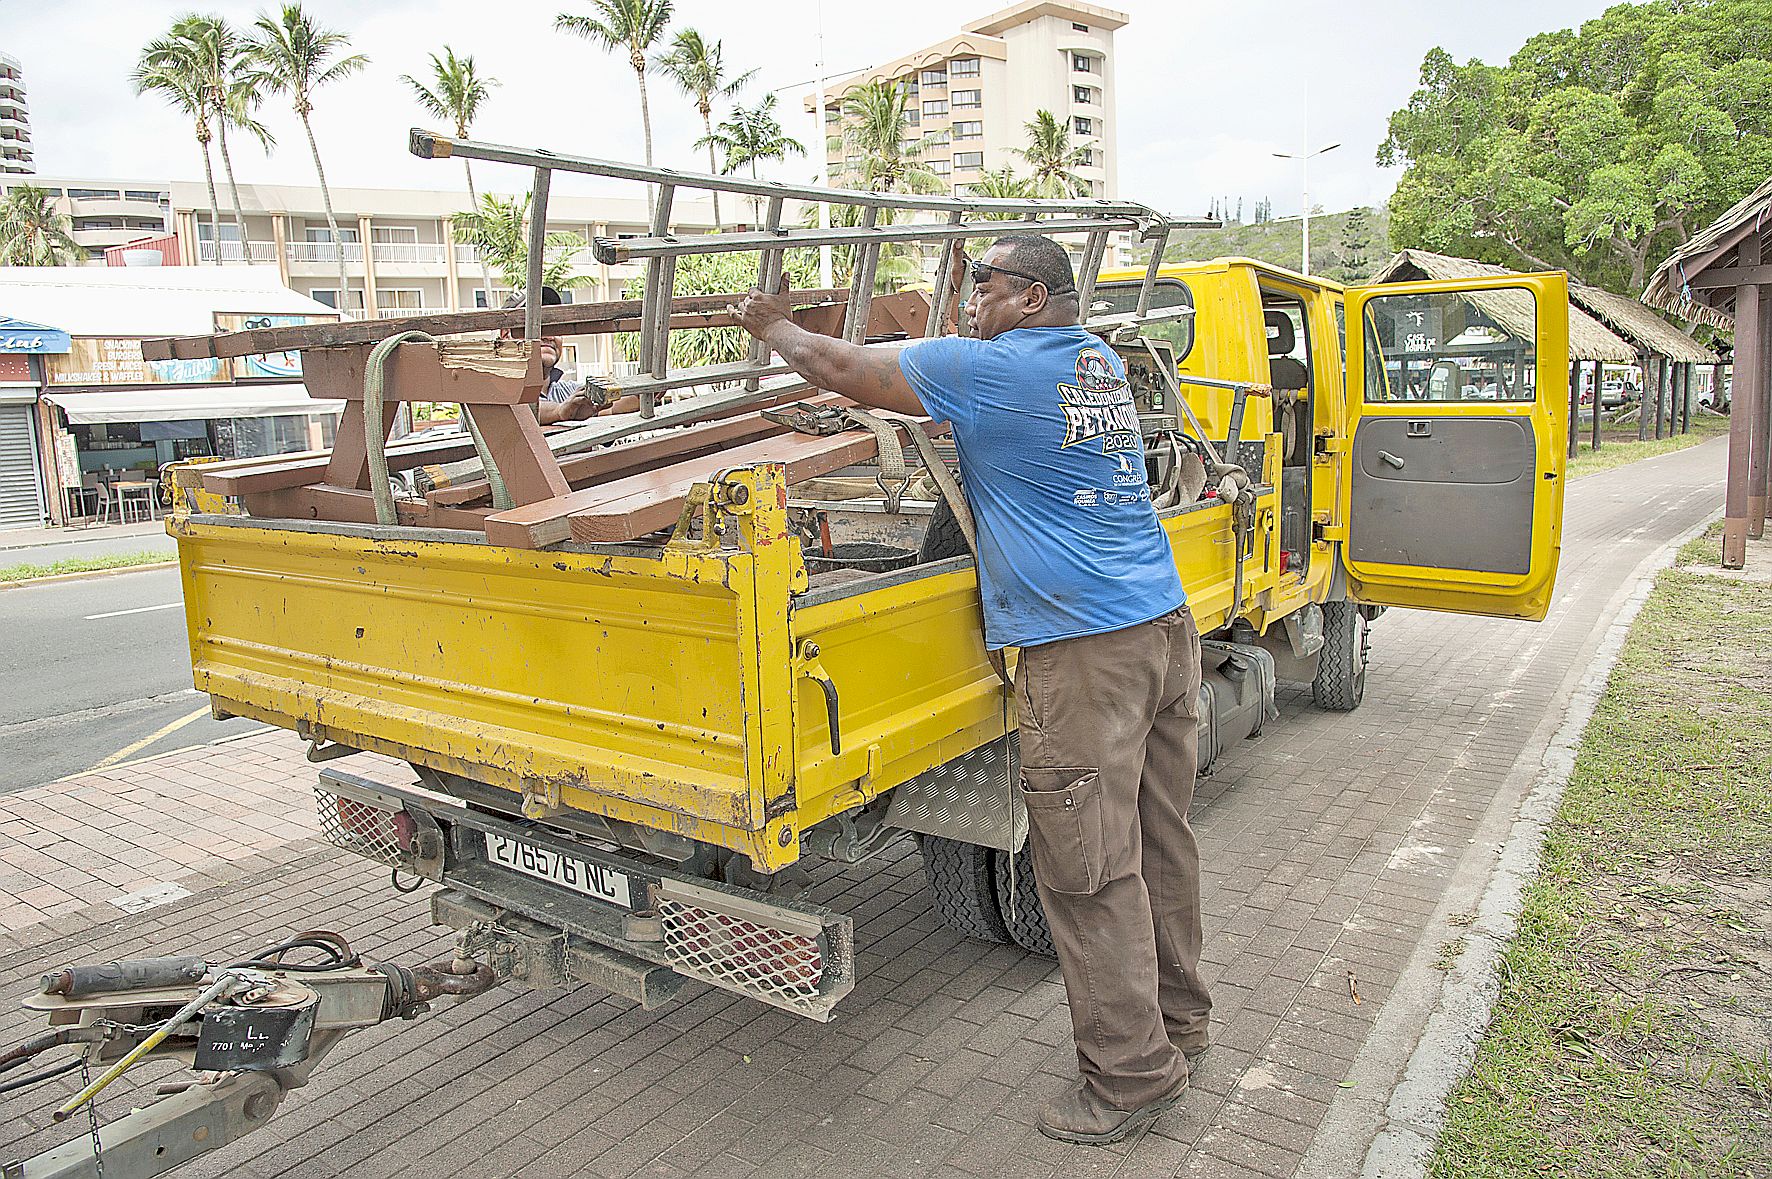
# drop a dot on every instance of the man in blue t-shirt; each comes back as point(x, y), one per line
point(1076, 571)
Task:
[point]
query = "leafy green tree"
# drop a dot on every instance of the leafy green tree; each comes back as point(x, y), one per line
point(217, 62)
point(875, 119)
point(715, 274)
point(751, 135)
point(499, 229)
point(456, 91)
point(1052, 159)
point(1599, 149)
point(295, 55)
point(631, 25)
point(698, 67)
point(167, 68)
point(33, 232)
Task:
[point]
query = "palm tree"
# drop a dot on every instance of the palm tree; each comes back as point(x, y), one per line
point(875, 119)
point(633, 25)
point(696, 65)
point(169, 68)
point(1050, 154)
point(750, 136)
point(292, 52)
point(456, 93)
point(33, 232)
point(219, 62)
point(498, 228)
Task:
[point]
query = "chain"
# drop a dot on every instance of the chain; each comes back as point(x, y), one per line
point(98, 1150)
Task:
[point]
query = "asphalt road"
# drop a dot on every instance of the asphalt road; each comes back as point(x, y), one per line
point(100, 674)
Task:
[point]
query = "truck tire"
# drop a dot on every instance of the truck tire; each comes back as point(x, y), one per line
point(1341, 667)
point(1025, 917)
point(943, 538)
point(959, 876)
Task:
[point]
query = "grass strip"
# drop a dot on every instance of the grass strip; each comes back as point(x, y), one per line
point(28, 572)
point(1630, 1037)
point(1617, 451)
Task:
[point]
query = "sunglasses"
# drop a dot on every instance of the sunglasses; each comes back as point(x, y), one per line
point(982, 271)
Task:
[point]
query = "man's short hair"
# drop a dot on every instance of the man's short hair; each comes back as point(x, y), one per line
point(549, 298)
point(1043, 259)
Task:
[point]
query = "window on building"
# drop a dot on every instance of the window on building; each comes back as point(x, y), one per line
point(1086, 157)
point(1082, 63)
point(90, 223)
point(142, 194)
point(143, 223)
point(400, 234)
point(229, 231)
point(832, 115)
point(93, 194)
point(935, 77)
point(54, 192)
point(936, 138)
point(329, 296)
point(968, 98)
point(1079, 28)
point(398, 301)
point(323, 233)
point(940, 167)
point(968, 130)
point(1083, 126)
point(1082, 94)
point(935, 106)
point(968, 159)
point(913, 116)
point(963, 67)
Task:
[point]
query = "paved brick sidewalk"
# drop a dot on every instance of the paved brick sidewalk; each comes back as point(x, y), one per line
point(1339, 852)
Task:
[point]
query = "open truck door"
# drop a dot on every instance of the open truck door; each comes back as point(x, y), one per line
point(1458, 400)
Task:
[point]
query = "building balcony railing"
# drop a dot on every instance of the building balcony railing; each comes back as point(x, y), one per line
point(323, 251)
point(232, 252)
point(411, 252)
point(471, 255)
point(401, 312)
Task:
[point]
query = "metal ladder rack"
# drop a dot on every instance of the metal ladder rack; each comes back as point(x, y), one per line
point(880, 226)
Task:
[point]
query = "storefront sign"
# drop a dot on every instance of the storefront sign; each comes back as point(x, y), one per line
point(283, 366)
point(119, 362)
point(17, 336)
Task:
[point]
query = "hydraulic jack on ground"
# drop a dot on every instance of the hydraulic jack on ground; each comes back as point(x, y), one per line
point(251, 1030)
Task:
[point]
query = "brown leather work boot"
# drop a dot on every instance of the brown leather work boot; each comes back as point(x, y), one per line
point(1082, 1117)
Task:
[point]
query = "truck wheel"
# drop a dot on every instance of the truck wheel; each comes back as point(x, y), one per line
point(1341, 668)
point(1025, 916)
point(959, 876)
point(943, 538)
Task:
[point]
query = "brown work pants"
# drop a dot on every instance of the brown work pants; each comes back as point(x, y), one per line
point(1108, 753)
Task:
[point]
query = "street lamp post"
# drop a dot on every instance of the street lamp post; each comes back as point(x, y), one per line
point(1304, 159)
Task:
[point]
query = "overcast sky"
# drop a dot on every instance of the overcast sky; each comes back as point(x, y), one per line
point(1207, 92)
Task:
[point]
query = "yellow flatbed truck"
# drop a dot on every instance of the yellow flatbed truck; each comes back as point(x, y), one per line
point(622, 750)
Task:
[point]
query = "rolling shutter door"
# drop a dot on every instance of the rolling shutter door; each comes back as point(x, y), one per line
point(21, 499)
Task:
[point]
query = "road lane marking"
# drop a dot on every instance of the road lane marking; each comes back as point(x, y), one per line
point(137, 610)
point(156, 735)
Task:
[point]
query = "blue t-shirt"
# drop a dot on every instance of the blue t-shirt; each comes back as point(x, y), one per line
point(1068, 542)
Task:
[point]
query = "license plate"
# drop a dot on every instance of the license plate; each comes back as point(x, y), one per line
point(581, 876)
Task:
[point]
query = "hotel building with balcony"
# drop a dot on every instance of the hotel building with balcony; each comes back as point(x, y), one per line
point(970, 96)
point(15, 119)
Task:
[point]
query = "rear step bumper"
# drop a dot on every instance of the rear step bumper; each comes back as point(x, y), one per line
point(647, 928)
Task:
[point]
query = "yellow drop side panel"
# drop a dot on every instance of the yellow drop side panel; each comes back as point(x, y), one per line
point(613, 684)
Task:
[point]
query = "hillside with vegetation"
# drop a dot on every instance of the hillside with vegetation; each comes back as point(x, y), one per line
point(1347, 246)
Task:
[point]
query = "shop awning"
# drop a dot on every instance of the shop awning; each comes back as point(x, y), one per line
point(184, 404)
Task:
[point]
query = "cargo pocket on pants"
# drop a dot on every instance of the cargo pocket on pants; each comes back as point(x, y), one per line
point(1064, 824)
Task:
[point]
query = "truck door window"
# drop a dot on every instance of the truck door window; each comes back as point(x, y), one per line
point(1119, 298)
point(1452, 346)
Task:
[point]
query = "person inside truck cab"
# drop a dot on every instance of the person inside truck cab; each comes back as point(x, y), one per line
point(1076, 571)
point(564, 400)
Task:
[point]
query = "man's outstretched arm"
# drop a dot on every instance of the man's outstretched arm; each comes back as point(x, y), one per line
point(868, 375)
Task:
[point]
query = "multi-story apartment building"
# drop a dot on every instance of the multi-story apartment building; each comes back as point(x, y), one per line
point(107, 213)
point(15, 119)
point(970, 96)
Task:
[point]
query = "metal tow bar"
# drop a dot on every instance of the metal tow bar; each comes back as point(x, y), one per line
point(251, 1030)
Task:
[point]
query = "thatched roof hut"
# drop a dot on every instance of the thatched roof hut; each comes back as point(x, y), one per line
point(1717, 247)
point(1641, 326)
point(1512, 310)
